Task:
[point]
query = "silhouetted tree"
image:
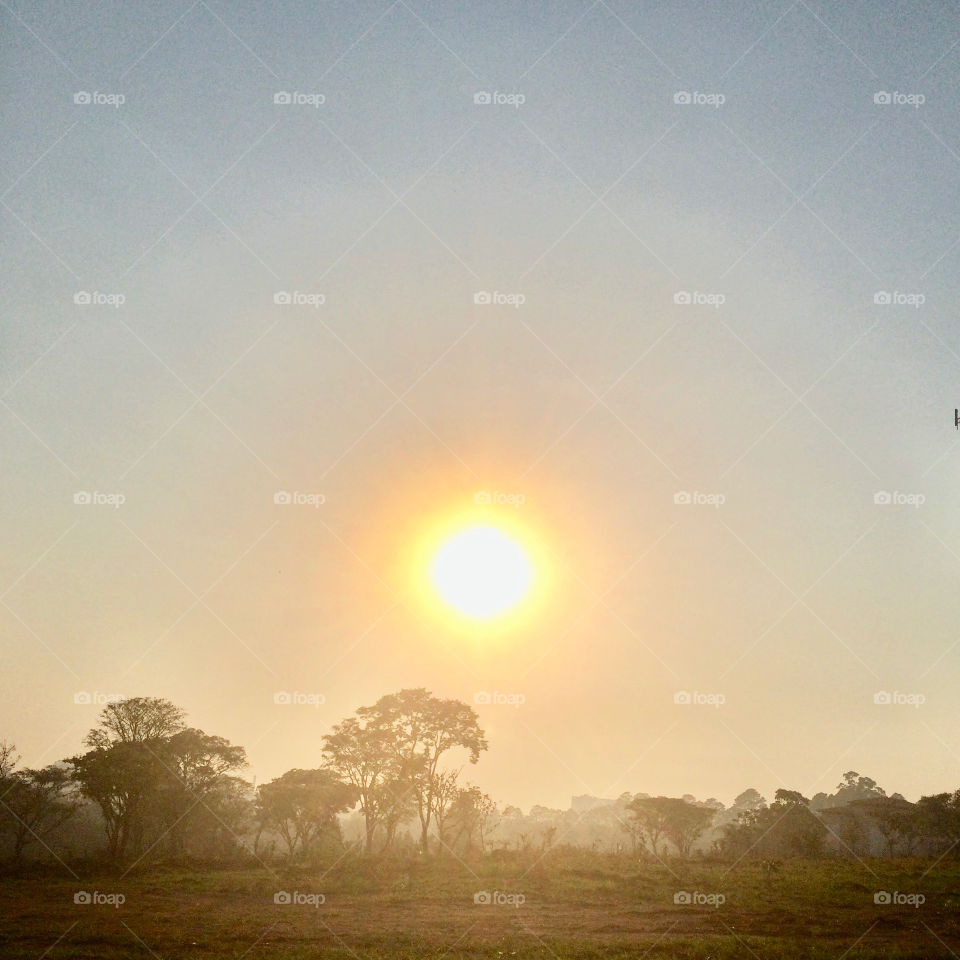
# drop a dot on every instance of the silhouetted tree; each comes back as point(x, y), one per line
point(402, 737)
point(302, 806)
point(34, 804)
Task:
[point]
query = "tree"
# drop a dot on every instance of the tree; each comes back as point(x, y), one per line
point(629, 823)
point(119, 779)
point(851, 788)
point(146, 770)
point(787, 828)
point(302, 805)
point(193, 768)
point(897, 820)
point(444, 795)
point(797, 829)
point(472, 812)
point(35, 803)
point(403, 736)
point(9, 758)
point(361, 753)
point(122, 769)
point(938, 819)
point(135, 720)
point(678, 820)
point(749, 800)
point(225, 815)
point(651, 816)
point(685, 822)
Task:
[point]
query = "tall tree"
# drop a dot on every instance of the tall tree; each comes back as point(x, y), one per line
point(135, 720)
point(420, 729)
point(193, 768)
point(361, 753)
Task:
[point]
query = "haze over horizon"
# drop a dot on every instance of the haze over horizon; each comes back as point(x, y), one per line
point(547, 161)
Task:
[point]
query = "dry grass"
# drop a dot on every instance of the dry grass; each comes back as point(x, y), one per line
point(576, 906)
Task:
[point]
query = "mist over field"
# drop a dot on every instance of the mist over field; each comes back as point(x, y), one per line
point(487, 469)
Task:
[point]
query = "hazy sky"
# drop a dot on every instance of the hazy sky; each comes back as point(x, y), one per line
point(783, 197)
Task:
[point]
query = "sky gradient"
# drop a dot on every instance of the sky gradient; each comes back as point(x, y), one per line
point(787, 200)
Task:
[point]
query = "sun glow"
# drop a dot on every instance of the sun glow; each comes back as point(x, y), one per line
point(481, 572)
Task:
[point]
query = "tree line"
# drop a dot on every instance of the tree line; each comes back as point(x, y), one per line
point(149, 787)
point(161, 788)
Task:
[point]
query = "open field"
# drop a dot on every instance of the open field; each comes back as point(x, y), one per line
point(573, 906)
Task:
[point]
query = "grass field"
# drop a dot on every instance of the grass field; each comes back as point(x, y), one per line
point(573, 905)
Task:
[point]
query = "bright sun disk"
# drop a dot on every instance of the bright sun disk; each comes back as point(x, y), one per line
point(481, 572)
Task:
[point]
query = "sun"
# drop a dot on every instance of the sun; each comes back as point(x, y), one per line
point(481, 572)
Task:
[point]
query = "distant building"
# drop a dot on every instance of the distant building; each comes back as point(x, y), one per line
point(585, 802)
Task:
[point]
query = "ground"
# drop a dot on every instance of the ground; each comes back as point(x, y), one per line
point(573, 906)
